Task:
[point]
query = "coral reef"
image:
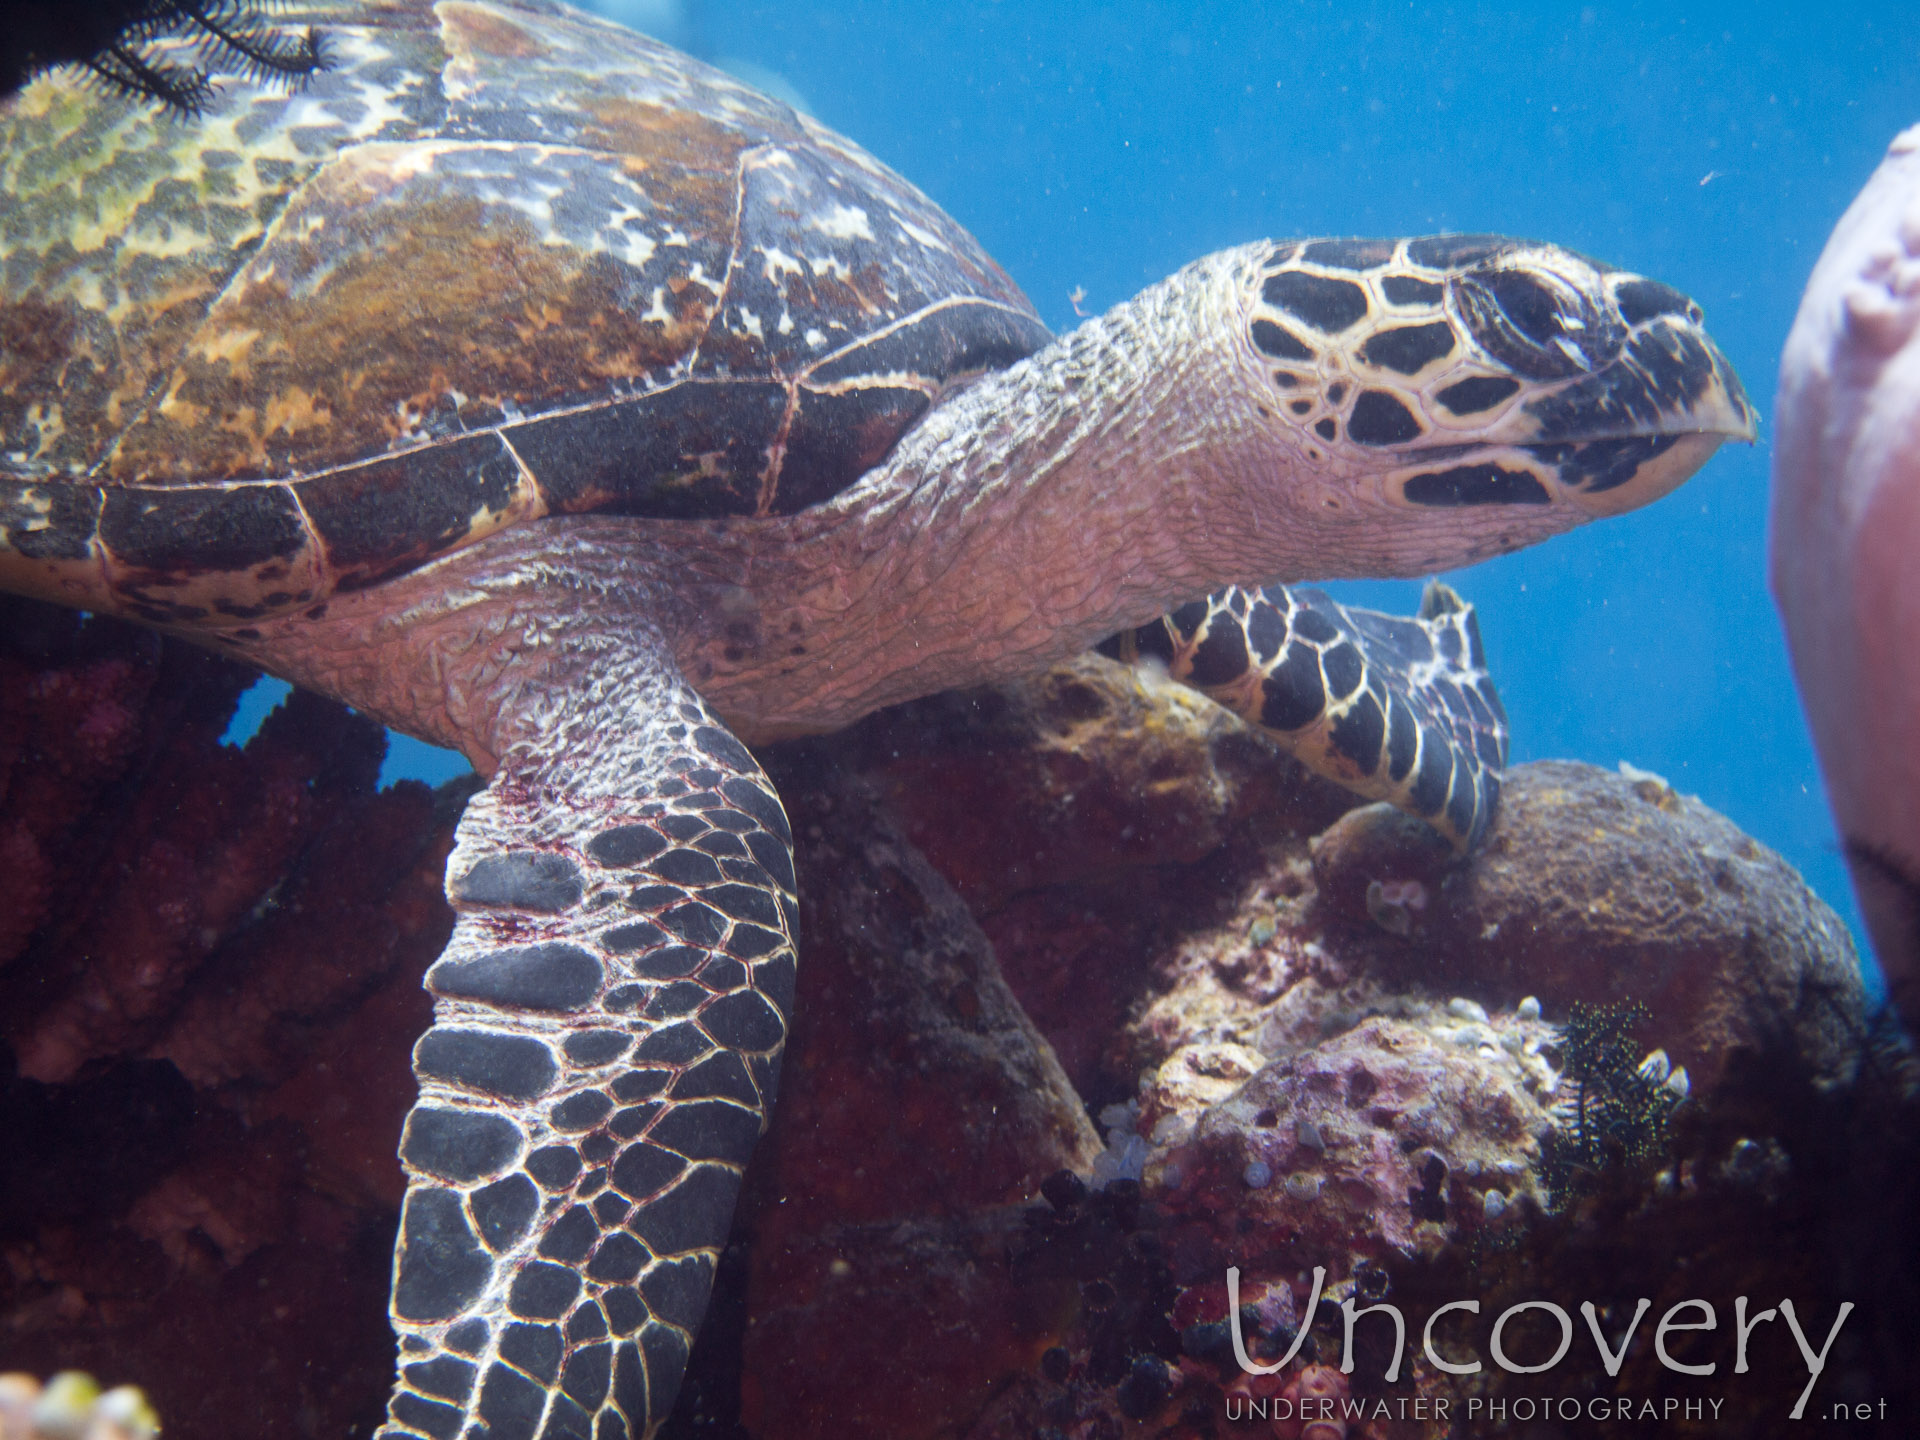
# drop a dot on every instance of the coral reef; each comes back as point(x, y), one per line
point(1340, 1047)
point(1600, 885)
point(1397, 1137)
point(1322, 1050)
point(1083, 815)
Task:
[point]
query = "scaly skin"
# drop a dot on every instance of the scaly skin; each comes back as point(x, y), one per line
point(611, 1009)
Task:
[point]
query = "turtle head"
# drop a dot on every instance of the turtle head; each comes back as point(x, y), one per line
point(1503, 389)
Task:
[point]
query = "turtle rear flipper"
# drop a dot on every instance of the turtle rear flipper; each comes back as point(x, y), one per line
point(1394, 708)
point(609, 1018)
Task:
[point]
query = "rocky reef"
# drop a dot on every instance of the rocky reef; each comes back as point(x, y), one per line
point(210, 965)
point(1101, 996)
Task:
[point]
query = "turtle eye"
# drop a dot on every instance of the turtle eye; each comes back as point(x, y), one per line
point(1529, 305)
point(1538, 324)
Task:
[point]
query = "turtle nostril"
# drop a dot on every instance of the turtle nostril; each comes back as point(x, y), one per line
point(1640, 300)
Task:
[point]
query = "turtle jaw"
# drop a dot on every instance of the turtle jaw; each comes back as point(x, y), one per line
point(1605, 442)
point(1635, 429)
point(1530, 492)
point(1654, 476)
point(1619, 393)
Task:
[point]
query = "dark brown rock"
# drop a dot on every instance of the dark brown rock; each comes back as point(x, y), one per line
point(919, 1109)
point(1084, 815)
point(214, 1225)
point(1597, 886)
point(1088, 771)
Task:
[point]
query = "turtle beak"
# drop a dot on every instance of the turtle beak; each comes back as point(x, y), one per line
point(1671, 397)
point(1631, 396)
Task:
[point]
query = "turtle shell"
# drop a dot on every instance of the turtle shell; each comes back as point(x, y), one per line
point(503, 260)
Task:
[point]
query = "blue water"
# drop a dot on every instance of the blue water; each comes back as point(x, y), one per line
point(1711, 146)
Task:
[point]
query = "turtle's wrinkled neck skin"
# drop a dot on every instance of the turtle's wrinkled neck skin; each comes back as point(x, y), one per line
point(1135, 464)
point(1124, 468)
point(983, 547)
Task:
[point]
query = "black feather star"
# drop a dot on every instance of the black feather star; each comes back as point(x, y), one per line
point(1615, 1110)
point(114, 39)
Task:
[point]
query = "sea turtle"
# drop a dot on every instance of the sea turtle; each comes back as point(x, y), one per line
point(549, 395)
point(1845, 531)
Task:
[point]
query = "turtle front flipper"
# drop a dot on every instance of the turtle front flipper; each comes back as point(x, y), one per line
point(609, 1019)
point(1393, 708)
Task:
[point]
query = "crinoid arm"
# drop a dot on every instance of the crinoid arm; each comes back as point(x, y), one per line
point(235, 40)
point(118, 41)
point(127, 70)
point(610, 1014)
point(1393, 707)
